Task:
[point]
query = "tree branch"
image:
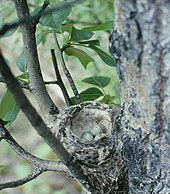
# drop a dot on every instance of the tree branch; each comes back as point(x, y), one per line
point(22, 84)
point(27, 86)
point(45, 165)
point(51, 82)
point(66, 71)
point(74, 21)
point(29, 110)
point(59, 80)
point(34, 174)
point(41, 127)
point(40, 13)
point(49, 110)
point(6, 27)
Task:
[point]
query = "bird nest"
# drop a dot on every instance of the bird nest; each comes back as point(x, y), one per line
point(89, 133)
point(86, 132)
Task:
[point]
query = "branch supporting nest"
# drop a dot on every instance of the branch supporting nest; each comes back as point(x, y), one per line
point(42, 165)
point(89, 133)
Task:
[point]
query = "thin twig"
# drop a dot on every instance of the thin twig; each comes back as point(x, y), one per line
point(27, 85)
point(34, 174)
point(40, 13)
point(49, 165)
point(6, 27)
point(82, 22)
point(50, 82)
point(66, 71)
point(59, 80)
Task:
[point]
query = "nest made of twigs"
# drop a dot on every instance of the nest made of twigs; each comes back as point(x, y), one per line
point(89, 133)
point(86, 131)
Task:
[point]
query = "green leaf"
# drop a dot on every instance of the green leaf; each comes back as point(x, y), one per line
point(104, 26)
point(67, 28)
point(24, 77)
point(8, 108)
point(81, 55)
point(3, 122)
point(88, 95)
point(91, 42)
point(45, 33)
point(55, 19)
point(100, 81)
point(108, 99)
point(39, 38)
point(103, 55)
point(78, 35)
point(21, 62)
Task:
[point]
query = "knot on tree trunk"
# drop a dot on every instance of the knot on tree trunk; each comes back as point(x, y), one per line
point(89, 132)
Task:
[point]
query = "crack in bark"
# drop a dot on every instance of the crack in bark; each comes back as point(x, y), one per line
point(161, 93)
point(161, 68)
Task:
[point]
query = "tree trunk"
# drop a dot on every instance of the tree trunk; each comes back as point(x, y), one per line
point(140, 46)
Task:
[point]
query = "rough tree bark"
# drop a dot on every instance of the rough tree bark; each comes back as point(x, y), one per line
point(140, 45)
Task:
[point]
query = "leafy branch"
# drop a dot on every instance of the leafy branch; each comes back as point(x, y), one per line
point(6, 27)
point(67, 73)
point(39, 124)
point(44, 100)
point(31, 73)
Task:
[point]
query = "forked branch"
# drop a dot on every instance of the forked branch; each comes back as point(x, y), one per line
point(46, 104)
point(66, 71)
point(45, 165)
point(41, 127)
point(6, 27)
point(59, 79)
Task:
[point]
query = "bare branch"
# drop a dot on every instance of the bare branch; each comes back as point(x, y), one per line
point(66, 71)
point(34, 174)
point(27, 85)
point(51, 82)
point(59, 80)
point(6, 27)
point(45, 165)
point(40, 126)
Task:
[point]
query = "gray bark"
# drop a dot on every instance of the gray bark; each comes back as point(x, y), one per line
point(140, 45)
point(44, 101)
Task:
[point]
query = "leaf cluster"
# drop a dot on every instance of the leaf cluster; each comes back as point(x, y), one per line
point(79, 41)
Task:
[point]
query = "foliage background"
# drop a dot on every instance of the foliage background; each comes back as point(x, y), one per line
point(11, 166)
